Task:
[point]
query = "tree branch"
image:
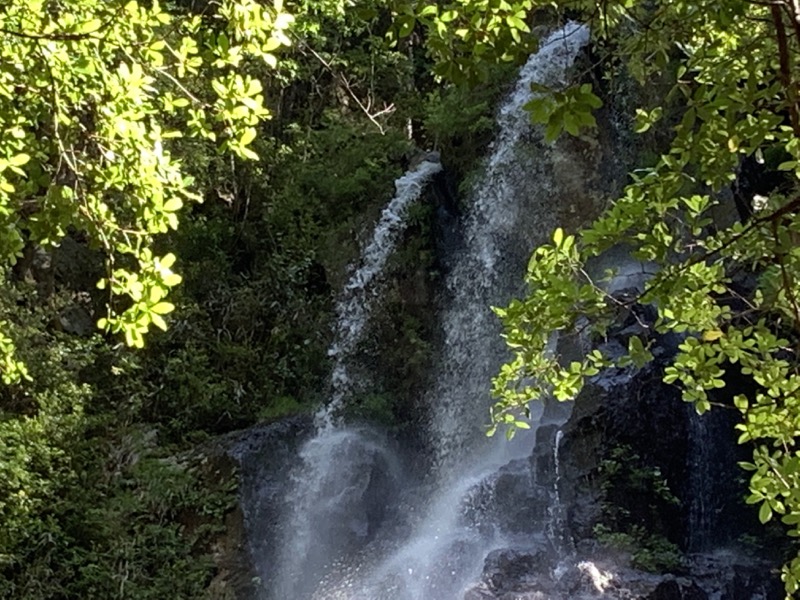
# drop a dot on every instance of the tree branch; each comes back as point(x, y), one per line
point(788, 288)
point(63, 37)
point(365, 109)
point(786, 68)
point(773, 217)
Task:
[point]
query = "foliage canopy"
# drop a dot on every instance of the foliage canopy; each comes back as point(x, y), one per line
point(98, 103)
point(728, 287)
point(103, 105)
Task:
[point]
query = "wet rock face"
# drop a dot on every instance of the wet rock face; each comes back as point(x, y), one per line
point(634, 410)
point(509, 501)
point(263, 455)
point(260, 451)
point(637, 412)
point(690, 493)
point(506, 570)
point(653, 432)
point(727, 577)
point(677, 589)
point(543, 456)
point(534, 575)
point(343, 511)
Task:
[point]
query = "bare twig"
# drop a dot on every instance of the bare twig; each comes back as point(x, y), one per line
point(366, 109)
point(786, 68)
point(788, 288)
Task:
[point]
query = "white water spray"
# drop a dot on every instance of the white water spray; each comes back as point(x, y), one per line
point(439, 543)
point(446, 543)
point(355, 303)
point(338, 467)
point(510, 215)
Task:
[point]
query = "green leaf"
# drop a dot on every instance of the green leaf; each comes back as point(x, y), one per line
point(712, 335)
point(173, 205)
point(172, 279)
point(515, 22)
point(162, 308)
point(247, 153)
point(19, 160)
point(552, 131)
point(407, 23)
point(158, 321)
point(765, 512)
point(429, 10)
point(90, 26)
point(248, 136)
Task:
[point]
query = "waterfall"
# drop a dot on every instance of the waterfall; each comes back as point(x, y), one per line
point(331, 501)
point(358, 517)
point(557, 525)
point(513, 209)
point(353, 528)
point(701, 482)
point(710, 484)
point(353, 307)
point(449, 529)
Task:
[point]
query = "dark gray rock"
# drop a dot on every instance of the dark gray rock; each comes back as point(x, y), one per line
point(479, 592)
point(673, 588)
point(509, 570)
point(543, 456)
point(77, 320)
point(731, 576)
point(508, 501)
point(263, 455)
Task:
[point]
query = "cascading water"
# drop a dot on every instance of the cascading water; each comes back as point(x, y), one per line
point(711, 450)
point(352, 310)
point(331, 501)
point(700, 480)
point(332, 544)
point(360, 518)
point(513, 210)
point(556, 527)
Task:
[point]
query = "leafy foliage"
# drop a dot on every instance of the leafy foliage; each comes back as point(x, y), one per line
point(727, 288)
point(99, 497)
point(569, 110)
point(91, 505)
point(119, 117)
point(648, 551)
point(94, 101)
point(635, 497)
point(466, 38)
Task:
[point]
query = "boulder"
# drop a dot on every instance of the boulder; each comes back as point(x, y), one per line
point(677, 588)
point(508, 500)
point(508, 570)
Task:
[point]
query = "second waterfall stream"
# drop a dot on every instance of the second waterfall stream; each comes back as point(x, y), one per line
point(434, 529)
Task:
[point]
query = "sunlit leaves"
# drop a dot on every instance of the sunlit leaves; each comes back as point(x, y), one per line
point(464, 37)
point(11, 369)
point(646, 119)
point(94, 100)
point(569, 110)
point(147, 289)
point(728, 290)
